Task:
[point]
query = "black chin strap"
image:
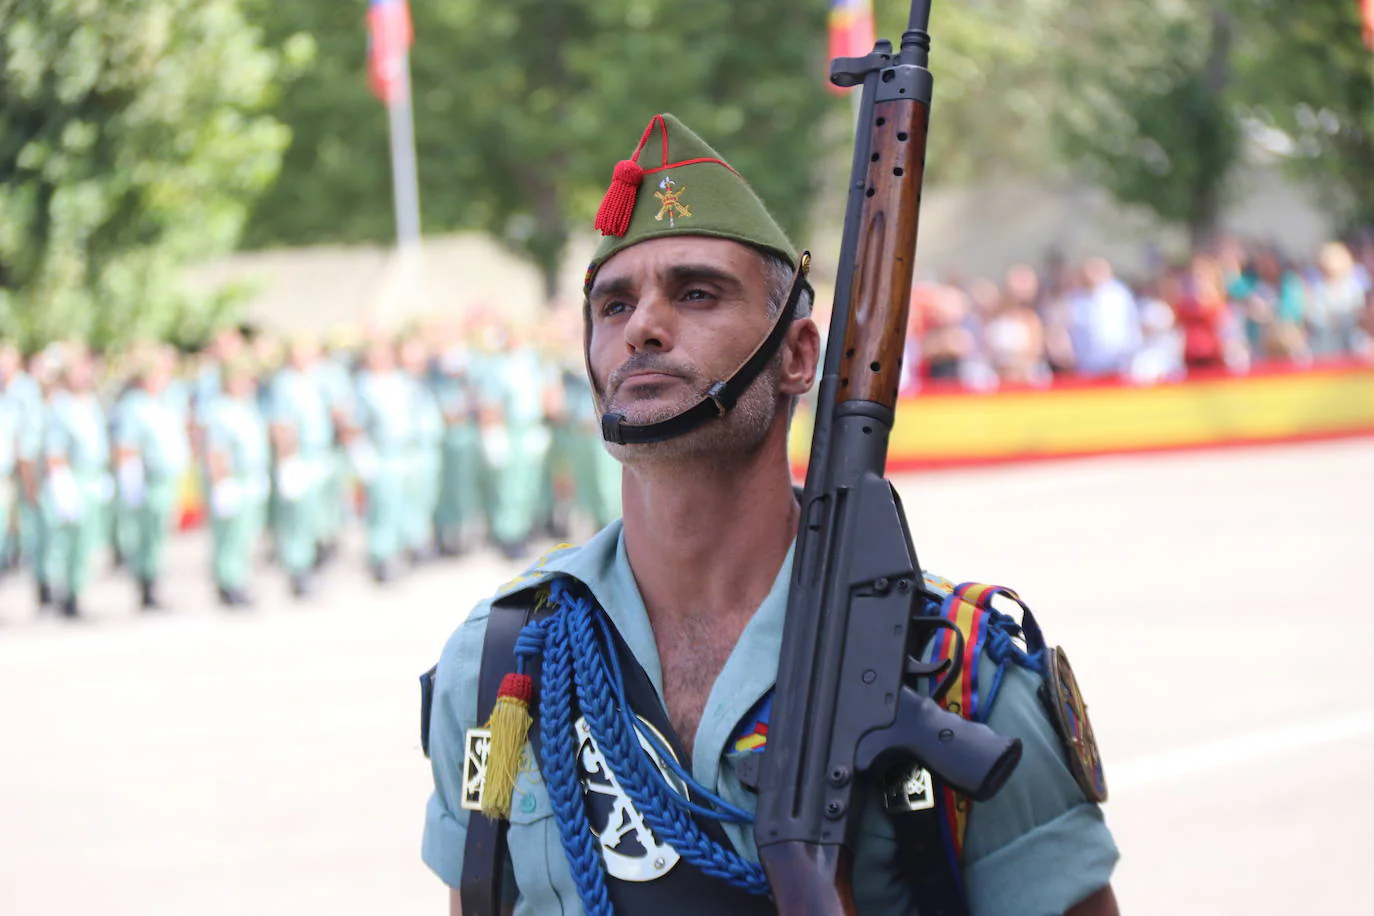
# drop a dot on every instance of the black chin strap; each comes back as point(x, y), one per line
point(720, 396)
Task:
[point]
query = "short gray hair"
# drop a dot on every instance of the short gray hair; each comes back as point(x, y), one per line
point(778, 272)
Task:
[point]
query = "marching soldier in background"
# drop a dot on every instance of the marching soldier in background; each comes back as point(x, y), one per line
point(13, 402)
point(335, 376)
point(595, 474)
point(302, 436)
point(152, 453)
point(379, 455)
point(514, 440)
point(34, 398)
point(238, 464)
point(426, 446)
point(76, 489)
point(460, 486)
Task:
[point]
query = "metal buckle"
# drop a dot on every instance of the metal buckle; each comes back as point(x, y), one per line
point(714, 393)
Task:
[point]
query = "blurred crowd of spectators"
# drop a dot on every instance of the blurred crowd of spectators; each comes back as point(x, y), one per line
point(1232, 308)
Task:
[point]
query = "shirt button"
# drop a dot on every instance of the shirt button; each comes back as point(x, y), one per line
point(528, 804)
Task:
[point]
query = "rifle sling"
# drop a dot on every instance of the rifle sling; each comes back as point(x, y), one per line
point(484, 852)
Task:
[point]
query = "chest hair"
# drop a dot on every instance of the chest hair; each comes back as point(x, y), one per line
point(692, 650)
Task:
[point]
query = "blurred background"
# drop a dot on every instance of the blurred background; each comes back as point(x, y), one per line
point(291, 375)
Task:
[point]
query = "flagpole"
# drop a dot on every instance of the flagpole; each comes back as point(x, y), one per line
point(405, 185)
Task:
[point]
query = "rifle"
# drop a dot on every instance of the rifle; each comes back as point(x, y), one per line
point(846, 707)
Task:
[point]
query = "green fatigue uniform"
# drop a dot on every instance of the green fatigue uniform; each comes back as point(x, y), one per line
point(152, 428)
point(423, 468)
point(1037, 847)
point(514, 444)
point(10, 419)
point(236, 437)
point(460, 479)
point(32, 415)
point(77, 491)
point(337, 386)
point(380, 459)
point(596, 475)
point(297, 403)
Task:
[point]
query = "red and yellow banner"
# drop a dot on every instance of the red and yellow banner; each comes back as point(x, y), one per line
point(954, 428)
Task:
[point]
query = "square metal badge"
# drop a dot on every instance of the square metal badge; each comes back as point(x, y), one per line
point(476, 750)
point(909, 790)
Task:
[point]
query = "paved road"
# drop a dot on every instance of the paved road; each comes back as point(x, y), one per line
point(265, 763)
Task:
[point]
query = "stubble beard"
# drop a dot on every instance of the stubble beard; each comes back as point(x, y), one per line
point(724, 440)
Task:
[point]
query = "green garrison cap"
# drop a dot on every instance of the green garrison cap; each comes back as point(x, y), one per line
point(674, 184)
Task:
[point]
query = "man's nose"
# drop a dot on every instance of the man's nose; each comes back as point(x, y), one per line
point(651, 325)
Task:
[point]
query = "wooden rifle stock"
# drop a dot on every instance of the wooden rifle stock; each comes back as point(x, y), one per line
point(880, 292)
point(846, 707)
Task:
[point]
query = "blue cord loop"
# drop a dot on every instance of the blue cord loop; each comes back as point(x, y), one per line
point(576, 644)
point(1003, 630)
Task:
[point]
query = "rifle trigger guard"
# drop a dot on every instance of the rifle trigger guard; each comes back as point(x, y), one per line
point(949, 667)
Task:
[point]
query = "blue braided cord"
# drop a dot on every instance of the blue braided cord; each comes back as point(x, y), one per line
point(632, 768)
point(558, 761)
point(530, 642)
point(1001, 647)
point(726, 811)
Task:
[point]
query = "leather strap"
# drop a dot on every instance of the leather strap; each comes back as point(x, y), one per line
point(484, 853)
point(721, 397)
point(935, 881)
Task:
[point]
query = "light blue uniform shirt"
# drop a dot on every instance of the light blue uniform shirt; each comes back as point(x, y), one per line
point(236, 428)
point(384, 414)
point(514, 383)
point(11, 418)
point(155, 427)
point(296, 400)
point(75, 430)
point(1036, 849)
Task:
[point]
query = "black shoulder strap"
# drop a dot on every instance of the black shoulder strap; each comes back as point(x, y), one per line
point(484, 855)
point(931, 871)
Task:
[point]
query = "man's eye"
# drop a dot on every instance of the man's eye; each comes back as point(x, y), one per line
point(613, 308)
point(696, 295)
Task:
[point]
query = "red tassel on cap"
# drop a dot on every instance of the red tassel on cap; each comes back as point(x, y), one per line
point(618, 206)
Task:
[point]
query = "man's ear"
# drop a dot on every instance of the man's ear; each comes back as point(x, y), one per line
point(801, 353)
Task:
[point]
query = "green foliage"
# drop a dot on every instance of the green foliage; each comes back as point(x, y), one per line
point(522, 108)
point(1154, 121)
point(1306, 72)
point(132, 140)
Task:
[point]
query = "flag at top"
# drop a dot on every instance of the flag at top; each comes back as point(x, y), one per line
point(851, 28)
point(389, 36)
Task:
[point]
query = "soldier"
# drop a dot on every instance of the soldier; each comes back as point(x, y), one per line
point(460, 475)
point(33, 392)
point(426, 450)
point(238, 465)
point(76, 489)
point(12, 405)
point(515, 439)
point(152, 455)
point(380, 455)
point(657, 643)
point(595, 474)
point(335, 373)
point(302, 436)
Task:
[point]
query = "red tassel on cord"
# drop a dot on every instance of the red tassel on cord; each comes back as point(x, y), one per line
point(613, 216)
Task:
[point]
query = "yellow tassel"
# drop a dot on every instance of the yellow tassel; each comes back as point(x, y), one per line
point(510, 726)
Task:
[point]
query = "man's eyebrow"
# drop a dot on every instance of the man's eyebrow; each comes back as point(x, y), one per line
point(616, 286)
point(683, 273)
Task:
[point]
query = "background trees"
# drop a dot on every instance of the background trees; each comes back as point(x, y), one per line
point(138, 135)
point(133, 138)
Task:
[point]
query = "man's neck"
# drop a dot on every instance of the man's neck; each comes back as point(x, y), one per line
point(709, 541)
